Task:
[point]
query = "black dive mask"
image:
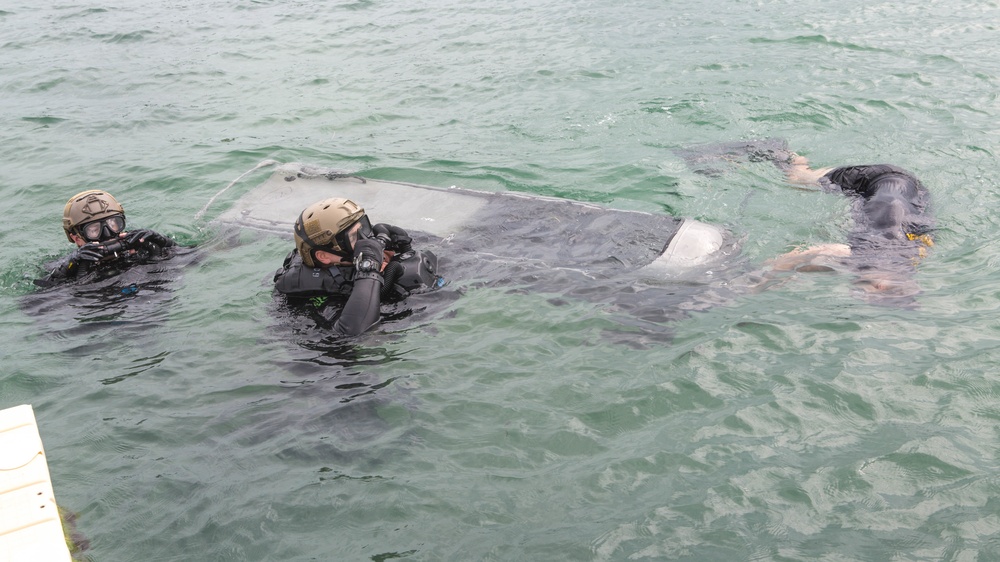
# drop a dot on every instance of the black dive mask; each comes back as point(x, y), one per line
point(343, 238)
point(102, 230)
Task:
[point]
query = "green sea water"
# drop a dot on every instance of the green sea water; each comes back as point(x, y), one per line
point(796, 423)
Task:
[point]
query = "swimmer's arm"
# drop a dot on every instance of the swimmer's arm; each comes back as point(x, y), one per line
point(820, 258)
point(809, 259)
point(800, 174)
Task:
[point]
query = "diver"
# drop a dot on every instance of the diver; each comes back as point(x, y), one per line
point(95, 222)
point(893, 202)
point(340, 258)
point(892, 226)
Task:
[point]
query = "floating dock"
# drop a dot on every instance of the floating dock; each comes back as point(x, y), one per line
point(30, 527)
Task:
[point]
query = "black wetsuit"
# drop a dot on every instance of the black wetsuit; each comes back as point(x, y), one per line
point(117, 259)
point(891, 204)
point(317, 288)
point(891, 231)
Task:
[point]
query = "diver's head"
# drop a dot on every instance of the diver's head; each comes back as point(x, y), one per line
point(886, 215)
point(93, 216)
point(333, 226)
point(895, 185)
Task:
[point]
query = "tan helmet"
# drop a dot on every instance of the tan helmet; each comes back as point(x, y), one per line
point(88, 206)
point(320, 223)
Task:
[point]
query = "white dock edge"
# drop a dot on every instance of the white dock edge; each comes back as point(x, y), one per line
point(30, 526)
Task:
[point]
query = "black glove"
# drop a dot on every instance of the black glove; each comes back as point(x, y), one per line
point(368, 256)
point(398, 240)
point(91, 251)
point(145, 237)
point(88, 254)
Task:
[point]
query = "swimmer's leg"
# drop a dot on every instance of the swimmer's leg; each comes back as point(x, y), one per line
point(715, 159)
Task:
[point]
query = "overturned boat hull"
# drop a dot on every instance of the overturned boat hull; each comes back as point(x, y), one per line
point(510, 226)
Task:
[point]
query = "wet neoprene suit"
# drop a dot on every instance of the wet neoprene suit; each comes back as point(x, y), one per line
point(73, 266)
point(314, 285)
point(315, 288)
point(892, 202)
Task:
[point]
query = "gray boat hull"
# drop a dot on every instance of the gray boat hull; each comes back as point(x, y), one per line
point(509, 226)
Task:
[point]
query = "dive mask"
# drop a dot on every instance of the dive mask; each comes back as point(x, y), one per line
point(103, 229)
point(346, 240)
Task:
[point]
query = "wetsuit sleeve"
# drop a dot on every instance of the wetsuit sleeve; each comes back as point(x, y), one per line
point(82, 259)
point(167, 242)
point(859, 180)
point(59, 272)
point(846, 179)
point(399, 240)
point(150, 241)
point(362, 308)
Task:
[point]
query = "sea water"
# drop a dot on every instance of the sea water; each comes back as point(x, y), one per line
point(800, 422)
